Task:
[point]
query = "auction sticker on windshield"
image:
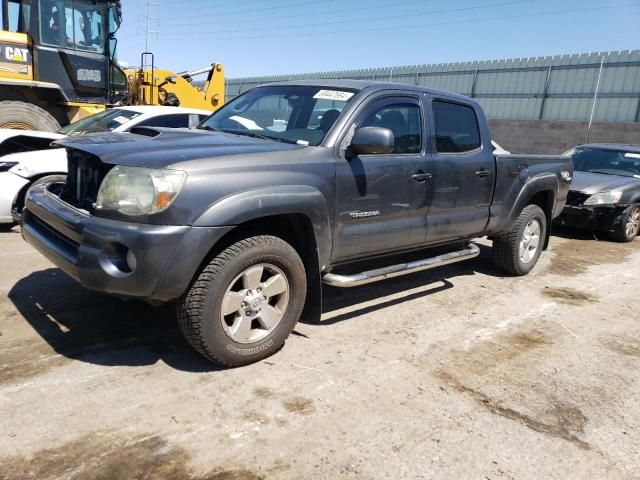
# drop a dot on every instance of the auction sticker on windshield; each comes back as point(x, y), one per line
point(333, 95)
point(121, 119)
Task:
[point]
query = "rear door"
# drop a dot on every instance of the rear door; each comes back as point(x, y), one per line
point(380, 207)
point(463, 171)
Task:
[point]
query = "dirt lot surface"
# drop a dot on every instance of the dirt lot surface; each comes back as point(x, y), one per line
point(458, 372)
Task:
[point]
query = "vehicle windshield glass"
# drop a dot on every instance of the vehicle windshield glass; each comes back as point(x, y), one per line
point(611, 162)
point(100, 122)
point(74, 24)
point(287, 113)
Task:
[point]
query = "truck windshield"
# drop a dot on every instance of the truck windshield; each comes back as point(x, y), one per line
point(608, 161)
point(287, 113)
point(100, 122)
point(73, 24)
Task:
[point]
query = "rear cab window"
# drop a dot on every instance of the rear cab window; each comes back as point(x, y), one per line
point(456, 127)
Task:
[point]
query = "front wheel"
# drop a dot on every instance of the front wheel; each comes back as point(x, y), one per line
point(518, 251)
point(629, 226)
point(245, 303)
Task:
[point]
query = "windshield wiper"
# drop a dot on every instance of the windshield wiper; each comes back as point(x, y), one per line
point(207, 127)
point(614, 174)
point(264, 137)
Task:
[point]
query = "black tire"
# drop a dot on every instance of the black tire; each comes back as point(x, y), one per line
point(506, 249)
point(16, 210)
point(26, 116)
point(629, 226)
point(200, 315)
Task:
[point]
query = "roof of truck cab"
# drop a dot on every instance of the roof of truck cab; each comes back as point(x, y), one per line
point(369, 84)
point(614, 146)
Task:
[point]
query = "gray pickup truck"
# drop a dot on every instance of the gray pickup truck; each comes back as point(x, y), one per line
point(286, 187)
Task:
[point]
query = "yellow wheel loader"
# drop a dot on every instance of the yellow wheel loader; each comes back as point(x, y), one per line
point(58, 65)
point(57, 61)
point(151, 86)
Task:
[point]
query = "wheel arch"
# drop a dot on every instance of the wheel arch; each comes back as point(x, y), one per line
point(20, 196)
point(280, 202)
point(540, 190)
point(295, 228)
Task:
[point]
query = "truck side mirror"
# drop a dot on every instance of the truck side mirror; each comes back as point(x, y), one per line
point(371, 141)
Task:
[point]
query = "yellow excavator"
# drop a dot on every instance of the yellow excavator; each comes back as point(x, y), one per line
point(58, 65)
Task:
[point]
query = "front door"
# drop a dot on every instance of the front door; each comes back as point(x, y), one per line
point(380, 206)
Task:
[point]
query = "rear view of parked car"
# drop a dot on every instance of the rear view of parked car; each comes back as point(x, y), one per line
point(605, 193)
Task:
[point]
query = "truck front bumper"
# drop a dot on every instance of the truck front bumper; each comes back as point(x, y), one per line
point(603, 218)
point(155, 263)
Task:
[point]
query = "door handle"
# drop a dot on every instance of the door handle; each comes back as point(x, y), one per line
point(483, 173)
point(421, 176)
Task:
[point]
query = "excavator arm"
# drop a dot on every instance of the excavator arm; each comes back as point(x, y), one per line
point(152, 86)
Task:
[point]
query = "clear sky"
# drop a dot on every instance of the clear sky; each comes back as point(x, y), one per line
point(264, 37)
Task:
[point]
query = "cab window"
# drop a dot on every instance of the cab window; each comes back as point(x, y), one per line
point(17, 16)
point(456, 127)
point(404, 121)
point(73, 24)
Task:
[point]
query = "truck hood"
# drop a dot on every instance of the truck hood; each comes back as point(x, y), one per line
point(169, 146)
point(591, 183)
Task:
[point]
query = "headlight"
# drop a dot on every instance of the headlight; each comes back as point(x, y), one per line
point(139, 191)
point(604, 198)
point(6, 166)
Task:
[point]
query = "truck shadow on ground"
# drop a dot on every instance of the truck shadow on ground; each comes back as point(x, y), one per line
point(86, 326)
point(98, 329)
point(402, 289)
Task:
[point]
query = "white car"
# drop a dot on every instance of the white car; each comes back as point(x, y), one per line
point(26, 157)
point(497, 149)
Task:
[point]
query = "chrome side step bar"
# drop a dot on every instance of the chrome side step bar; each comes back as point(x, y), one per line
point(371, 276)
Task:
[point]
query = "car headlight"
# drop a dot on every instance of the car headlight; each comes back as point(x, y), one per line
point(6, 166)
point(604, 198)
point(139, 191)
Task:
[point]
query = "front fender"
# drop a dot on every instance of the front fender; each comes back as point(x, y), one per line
point(263, 202)
point(534, 185)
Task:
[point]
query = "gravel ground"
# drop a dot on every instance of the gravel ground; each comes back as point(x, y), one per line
point(458, 372)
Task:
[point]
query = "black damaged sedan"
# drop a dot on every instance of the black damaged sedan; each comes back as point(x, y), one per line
point(605, 192)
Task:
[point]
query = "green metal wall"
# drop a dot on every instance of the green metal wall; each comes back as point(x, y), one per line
point(561, 87)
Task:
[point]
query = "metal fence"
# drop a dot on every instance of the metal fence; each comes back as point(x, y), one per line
point(562, 87)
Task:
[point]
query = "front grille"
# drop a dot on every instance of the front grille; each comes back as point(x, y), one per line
point(85, 174)
point(576, 199)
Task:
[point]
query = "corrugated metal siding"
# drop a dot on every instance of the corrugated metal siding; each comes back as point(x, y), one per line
point(561, 87)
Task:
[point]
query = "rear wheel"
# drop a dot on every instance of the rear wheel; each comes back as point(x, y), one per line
point(629, 226)
point(518, 251)
point(26, 116)
point(246, 301)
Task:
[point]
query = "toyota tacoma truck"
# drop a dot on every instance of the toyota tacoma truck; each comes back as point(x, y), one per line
point(288, 186)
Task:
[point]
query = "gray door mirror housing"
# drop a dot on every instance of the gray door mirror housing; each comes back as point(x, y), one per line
point(371, 141)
